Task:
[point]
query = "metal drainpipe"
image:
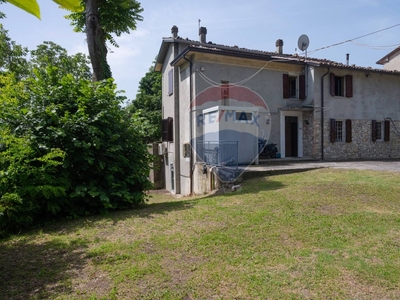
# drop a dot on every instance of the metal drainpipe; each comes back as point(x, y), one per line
point(177, 147)
point(190, 122)
point(322, 113)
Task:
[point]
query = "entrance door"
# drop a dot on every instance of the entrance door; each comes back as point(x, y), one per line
point(291, 136)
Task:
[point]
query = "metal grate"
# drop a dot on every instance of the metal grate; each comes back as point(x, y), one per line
point(218, 153)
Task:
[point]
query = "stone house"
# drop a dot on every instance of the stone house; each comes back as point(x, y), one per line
point(220, 101)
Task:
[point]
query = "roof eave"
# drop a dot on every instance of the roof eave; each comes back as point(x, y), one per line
point(162, 53)
point(233, 53)
point(386, 58)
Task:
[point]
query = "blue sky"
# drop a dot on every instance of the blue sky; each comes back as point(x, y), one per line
point(249, 24)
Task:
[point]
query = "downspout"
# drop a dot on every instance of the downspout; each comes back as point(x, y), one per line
point(177, 147)
point(322, 113)
point(190, 122)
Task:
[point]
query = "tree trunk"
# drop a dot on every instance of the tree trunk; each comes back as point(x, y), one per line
point(96, 42)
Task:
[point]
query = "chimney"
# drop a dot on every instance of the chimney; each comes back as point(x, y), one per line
point(279, 46)
point(202, 34)
point(174, 31)
point(347, 59)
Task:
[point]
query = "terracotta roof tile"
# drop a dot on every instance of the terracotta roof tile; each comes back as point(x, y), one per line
point(288, 57)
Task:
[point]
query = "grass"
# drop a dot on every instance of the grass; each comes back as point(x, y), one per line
point(322, 234)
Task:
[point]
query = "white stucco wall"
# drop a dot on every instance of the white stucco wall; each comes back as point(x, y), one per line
point(393, 63)
point(168, 111)
point(375, 96)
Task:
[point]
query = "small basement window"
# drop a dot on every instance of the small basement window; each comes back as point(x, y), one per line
point(243, 116)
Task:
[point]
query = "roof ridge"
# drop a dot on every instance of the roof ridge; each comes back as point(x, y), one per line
point(294, 57)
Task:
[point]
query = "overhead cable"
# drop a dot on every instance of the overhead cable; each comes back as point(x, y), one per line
point(353, 39)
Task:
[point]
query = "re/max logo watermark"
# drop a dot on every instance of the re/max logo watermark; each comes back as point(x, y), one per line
point(246, 117)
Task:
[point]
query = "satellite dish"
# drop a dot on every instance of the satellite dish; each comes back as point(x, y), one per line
point(303, 42)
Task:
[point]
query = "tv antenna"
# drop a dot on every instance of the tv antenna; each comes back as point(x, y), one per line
point(303, 43)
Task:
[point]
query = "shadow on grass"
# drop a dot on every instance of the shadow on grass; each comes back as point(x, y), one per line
point(38, 270)
point(151, 210)
point(35, 268)
point(170, 204)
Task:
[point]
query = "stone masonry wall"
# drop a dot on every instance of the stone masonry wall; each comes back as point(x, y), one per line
point(361, 146)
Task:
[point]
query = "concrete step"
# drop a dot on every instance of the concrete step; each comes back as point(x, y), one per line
point(284, 161)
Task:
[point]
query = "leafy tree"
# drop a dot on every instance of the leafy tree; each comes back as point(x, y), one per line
point(146, 109)
point(2, 15)
point(100, 20)
point(12, 55)
point(32, 7)
point(67, 147)
point(51, 54)
point(30, 187)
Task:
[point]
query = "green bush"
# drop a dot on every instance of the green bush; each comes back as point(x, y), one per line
point(29, 186)
point(76, 153)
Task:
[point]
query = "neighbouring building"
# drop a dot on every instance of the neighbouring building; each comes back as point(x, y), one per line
point(391, 61)
point(220, 102)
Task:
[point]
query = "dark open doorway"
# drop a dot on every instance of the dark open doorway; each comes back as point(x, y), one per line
point(291, 136)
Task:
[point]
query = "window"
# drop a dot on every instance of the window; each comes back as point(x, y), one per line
point(292, 85)
point(341, 86)
point(341, 131)
point(380, 131)
point(170, 82)
point(243, 116)
point(377, 130)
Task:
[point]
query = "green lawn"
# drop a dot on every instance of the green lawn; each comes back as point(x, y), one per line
point(322, 234)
